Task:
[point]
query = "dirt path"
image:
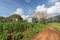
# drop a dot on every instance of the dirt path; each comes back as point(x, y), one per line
point(48, 34)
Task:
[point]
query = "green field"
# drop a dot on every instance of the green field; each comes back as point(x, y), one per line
point(22, 30)
point(55, 25)
point(19, 30)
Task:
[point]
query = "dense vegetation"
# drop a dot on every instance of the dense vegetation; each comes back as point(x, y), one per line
point(19, 30)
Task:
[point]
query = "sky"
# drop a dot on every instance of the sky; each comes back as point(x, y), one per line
point(26, 7)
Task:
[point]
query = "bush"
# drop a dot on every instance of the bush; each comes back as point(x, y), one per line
point(17, 36)
point(4, 36)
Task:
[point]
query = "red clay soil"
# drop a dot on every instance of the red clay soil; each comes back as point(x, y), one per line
point(48, 34)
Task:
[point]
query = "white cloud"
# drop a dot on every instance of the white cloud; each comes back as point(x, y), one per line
point(53, 1)
point(28, 1)
point(29, 20)
point(54, 9)
point(19, 11)
point(25, 17)
point(41, 8)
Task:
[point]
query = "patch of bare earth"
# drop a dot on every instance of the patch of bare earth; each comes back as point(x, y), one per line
point(48, 34)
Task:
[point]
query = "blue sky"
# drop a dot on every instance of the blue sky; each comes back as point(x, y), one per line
point(10, 6)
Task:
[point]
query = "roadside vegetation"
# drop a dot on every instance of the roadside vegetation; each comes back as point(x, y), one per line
point(55, 25)
point(19, 30)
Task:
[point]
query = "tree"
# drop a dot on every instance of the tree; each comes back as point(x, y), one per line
point(39, 16)
point(34, 20)
point(58, 17)
point(2, 19)
point(14, 17)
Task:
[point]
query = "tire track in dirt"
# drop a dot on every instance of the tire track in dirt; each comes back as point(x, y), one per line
point(48, 34)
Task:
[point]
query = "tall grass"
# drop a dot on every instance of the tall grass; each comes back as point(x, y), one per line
point(16, 30)
point(55, 25)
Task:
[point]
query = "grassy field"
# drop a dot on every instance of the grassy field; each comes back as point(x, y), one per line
point(22, 30)
point(19, 30)
point(31, 32)
point(55, 25)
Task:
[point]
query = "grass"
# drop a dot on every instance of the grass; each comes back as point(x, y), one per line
point(33, 31)
point(28, 29)
point(20, 28)
point(55, 25)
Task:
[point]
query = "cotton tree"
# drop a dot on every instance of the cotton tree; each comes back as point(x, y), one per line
point(38, 16)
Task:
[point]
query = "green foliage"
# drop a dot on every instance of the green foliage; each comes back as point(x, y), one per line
point(4, 36)
point(2, 19)
point(31, 32)
point(55, 25)
point(17, 36)
point(18, 30)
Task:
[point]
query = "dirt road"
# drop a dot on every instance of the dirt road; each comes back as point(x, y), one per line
point(48, 34)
